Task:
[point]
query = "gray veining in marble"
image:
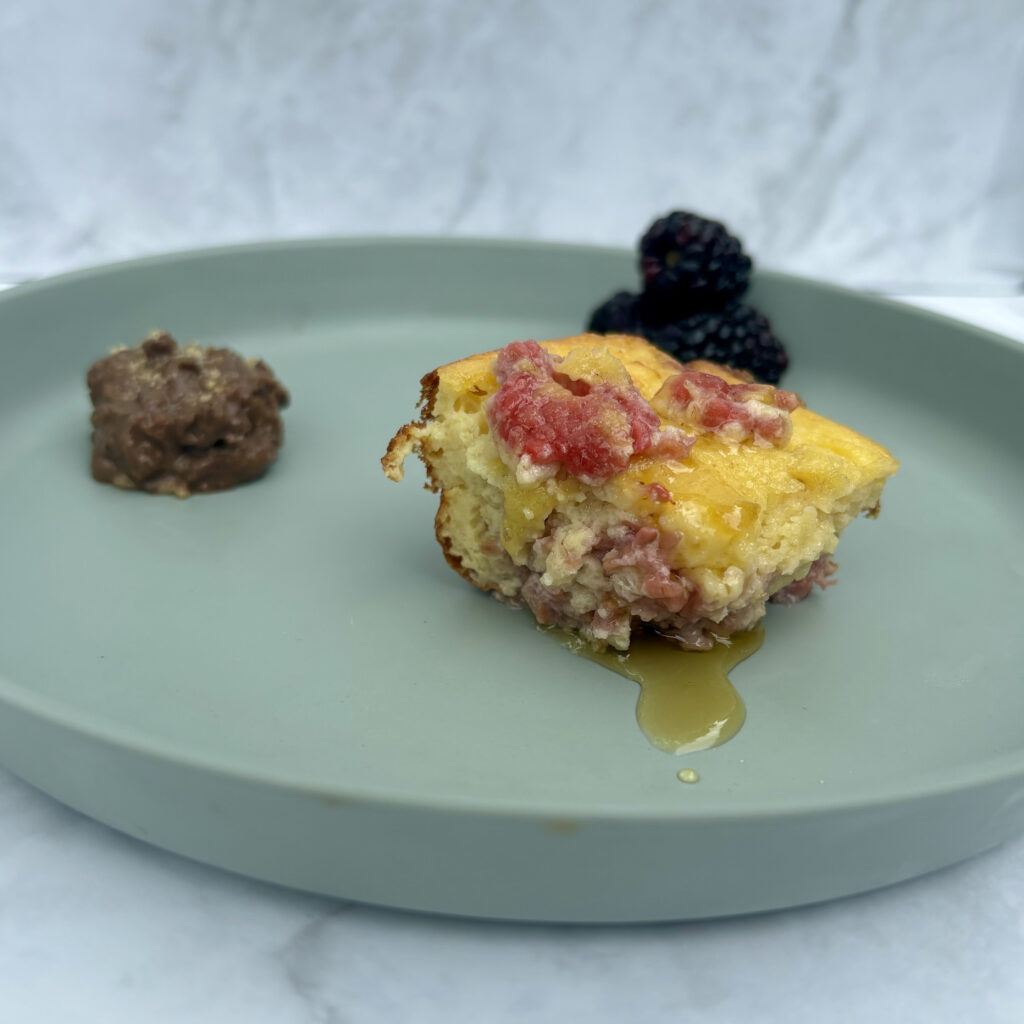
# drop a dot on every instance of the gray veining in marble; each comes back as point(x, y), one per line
point(853, 140)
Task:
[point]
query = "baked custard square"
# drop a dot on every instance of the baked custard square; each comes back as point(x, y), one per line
point(611, 488)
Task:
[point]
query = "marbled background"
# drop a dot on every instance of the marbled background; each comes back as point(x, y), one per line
point(857, 140)
point(868, 141)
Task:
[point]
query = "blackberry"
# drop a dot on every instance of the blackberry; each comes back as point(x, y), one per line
point(617, 315)
point(737, 336)
point(689, 263)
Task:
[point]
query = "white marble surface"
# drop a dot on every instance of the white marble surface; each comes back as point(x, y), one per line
point(97, 927)
point(853, 139)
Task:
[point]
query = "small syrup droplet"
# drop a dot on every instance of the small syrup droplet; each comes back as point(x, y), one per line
point(687, 775)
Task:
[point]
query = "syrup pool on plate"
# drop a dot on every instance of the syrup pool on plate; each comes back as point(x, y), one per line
point(686, 701)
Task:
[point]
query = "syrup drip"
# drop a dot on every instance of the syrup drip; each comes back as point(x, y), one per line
point(686, 701)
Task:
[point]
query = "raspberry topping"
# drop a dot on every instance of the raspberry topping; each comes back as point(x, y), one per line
point(738, 412)
point(581, 413)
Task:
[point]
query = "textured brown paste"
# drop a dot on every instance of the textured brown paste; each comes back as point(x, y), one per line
point(182, 421)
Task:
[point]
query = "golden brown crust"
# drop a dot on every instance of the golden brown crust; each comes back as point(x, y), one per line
point(428, 395)
point(398, 447)
point(408, 437)
point(444, 539)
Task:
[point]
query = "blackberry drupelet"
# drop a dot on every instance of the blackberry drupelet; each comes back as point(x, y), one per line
point(737, 336)
point(617, 315)
point(689, 263)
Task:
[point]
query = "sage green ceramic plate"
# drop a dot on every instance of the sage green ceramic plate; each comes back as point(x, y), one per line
point(286, 680)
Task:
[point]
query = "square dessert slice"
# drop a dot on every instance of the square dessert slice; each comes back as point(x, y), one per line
point(610, 488)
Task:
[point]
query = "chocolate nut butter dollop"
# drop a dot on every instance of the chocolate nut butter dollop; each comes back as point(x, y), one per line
point(182, 420)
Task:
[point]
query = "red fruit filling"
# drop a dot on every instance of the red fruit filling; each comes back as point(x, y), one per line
point(738, 412)
point(591, 428)
point(821, 569)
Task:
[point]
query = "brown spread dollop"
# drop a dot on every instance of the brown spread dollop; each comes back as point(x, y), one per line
point(184, 420)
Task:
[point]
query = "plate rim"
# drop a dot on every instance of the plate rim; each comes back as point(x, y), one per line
point(510, 242)
point(999, 769)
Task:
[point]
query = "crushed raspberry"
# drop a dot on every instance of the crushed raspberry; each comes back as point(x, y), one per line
point(821, 569)
point(659, 493)
point(519, 357)
point(646, 550)
point(787, 400)
point(672, 443)
point(590, 429)
point(738, 412)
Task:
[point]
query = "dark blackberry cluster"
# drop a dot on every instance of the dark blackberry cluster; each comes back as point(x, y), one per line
point(694, 275)
point(737, 336)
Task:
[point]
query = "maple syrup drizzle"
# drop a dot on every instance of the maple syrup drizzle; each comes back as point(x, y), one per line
point(686, 701)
